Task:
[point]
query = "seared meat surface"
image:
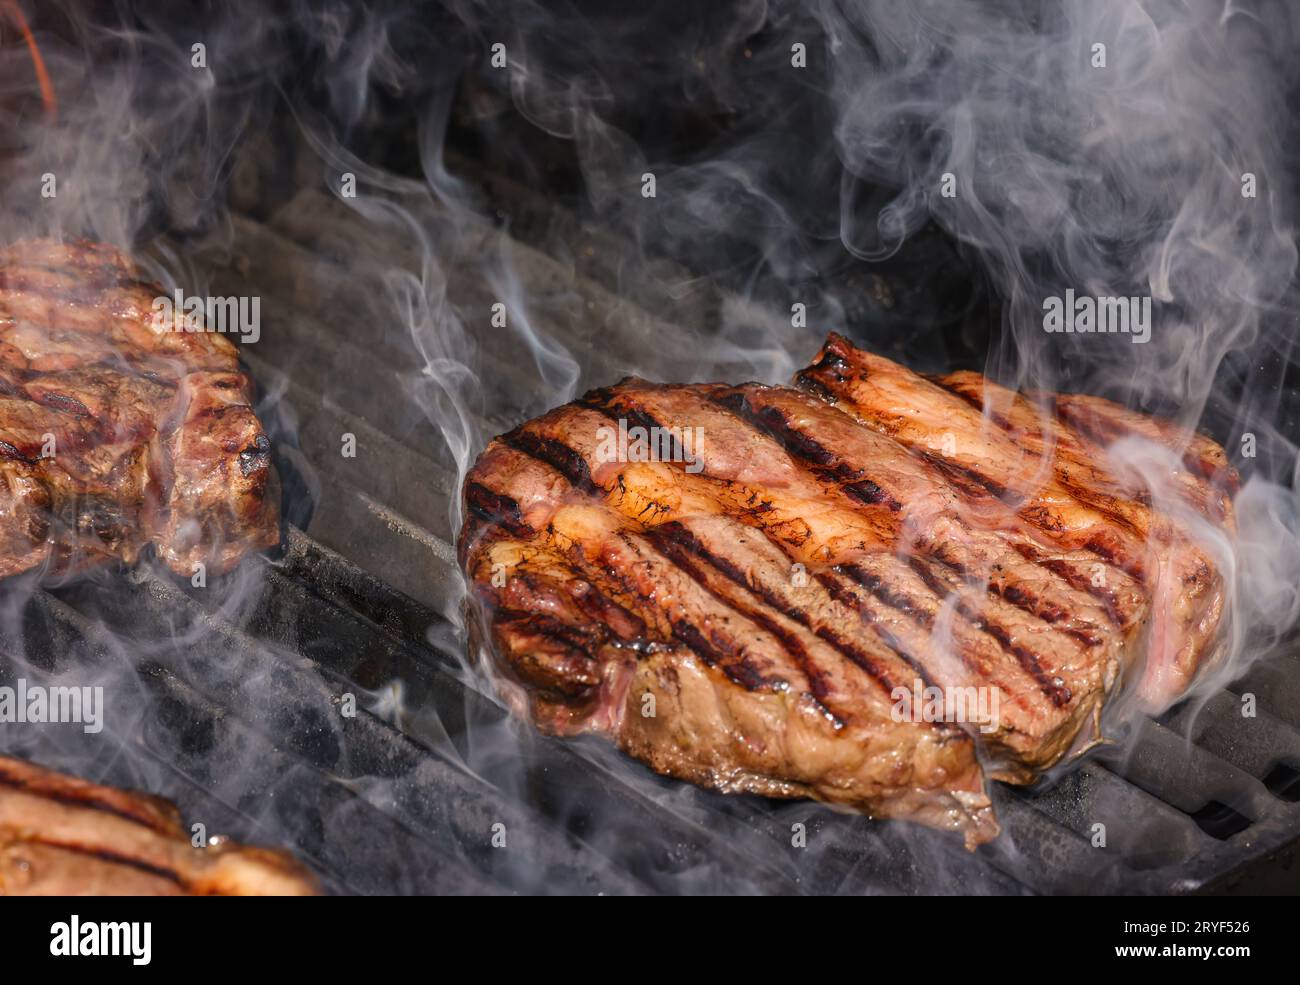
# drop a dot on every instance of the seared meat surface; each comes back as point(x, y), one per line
point(62, 836)
point(117, 430)
point(765, 597)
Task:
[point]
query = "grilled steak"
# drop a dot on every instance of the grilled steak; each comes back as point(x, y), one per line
point(770, 591)
point(61, 836)
point(118, 429)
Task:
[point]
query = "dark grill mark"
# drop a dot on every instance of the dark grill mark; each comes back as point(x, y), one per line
point(675, 550)
point(88, 801)
point(491, 507)
point(822, 462)
point(773, 422)
point(1084, 584)
point(676, 537)
point(1102, 544)
point(557, 455)
point(866, 491)
point(886, 593)
point(974, 484)
point(599, 606)
point(616, 405)
point(681, 547)
point(1103, 503)
point(810, 384)
point(115, 858)
point(1053, 687)
point(1022, 599)
point(845, 598)
point(741, 673)
point(571, 636)
point(970, 481)
point(1110, 506)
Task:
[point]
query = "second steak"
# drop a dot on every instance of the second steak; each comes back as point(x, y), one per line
point(119, 429)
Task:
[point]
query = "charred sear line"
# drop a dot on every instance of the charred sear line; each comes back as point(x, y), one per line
point(741, 673)
point(557, 455)
point(1101, 503)
point(676, 541)
point(675, 537)
point(687, 633)
point(597, 605)
point(495, 508)
point(883, 591)
point(617, 405)
point(682, 547)
point(673, 549)
point(1054, 689)
point(810, 384)
point(866, 491)
point(114, 858)
point(970, 481)
point(771, 421)
point(1022, 599)
point(1101, 545)
point(86, 802)
point(830, 582)
point(1084, 584)
point(546, 625)
point(822, 462)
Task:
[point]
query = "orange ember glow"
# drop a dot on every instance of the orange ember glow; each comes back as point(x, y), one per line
point(15, 14)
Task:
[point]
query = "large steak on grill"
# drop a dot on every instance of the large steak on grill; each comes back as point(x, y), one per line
point(792, 591)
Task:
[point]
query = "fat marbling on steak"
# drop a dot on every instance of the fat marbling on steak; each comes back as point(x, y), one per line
point(63, 836)
point(760, 609)
point(117, 430)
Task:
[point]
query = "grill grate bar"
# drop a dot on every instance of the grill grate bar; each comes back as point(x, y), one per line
point(1186, 776)
point(1253, 745)
point(603, 331)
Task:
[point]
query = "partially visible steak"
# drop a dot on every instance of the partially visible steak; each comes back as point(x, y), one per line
point(63, 836)
point(747, 609)
point(117, 430)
